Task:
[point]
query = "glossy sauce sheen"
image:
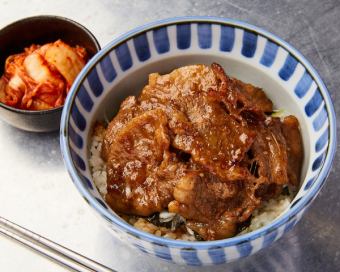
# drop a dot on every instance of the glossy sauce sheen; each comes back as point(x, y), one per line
point(199, 144)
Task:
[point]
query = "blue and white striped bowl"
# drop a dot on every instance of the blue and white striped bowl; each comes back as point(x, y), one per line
point(246, 52)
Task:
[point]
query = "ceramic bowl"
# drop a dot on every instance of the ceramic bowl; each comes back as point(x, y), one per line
point(40, 30)
point(246, 52)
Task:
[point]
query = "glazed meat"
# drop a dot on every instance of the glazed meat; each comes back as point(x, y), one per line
point(200, 124)
point(140, 169)
point(267, 160)
point(252, 95)
point(202, 145)
point(291, 132)
point(212, 207)
point(128, 110)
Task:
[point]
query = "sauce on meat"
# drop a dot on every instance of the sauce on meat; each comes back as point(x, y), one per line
point(202, 145)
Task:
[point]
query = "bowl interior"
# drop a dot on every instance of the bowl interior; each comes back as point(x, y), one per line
point(245, 52)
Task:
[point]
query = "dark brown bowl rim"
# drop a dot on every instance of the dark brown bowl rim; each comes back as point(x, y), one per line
point(61, 18)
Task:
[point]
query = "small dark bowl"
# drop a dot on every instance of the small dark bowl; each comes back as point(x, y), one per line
point(40, 30)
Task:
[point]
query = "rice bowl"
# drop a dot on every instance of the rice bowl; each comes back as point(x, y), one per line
point(78, 119)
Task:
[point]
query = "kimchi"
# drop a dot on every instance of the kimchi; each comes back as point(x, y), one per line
point(40, 77)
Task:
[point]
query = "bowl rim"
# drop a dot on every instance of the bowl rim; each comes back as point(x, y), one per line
point(53, 17)
point(320, 178)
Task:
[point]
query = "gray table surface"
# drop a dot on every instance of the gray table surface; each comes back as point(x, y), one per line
point(36, 191)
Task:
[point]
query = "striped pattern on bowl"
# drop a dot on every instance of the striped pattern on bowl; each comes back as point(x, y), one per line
point(200, 35)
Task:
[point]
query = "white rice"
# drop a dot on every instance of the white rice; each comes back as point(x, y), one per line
point(268, 212)
point(98, 166)
point(260, 217)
